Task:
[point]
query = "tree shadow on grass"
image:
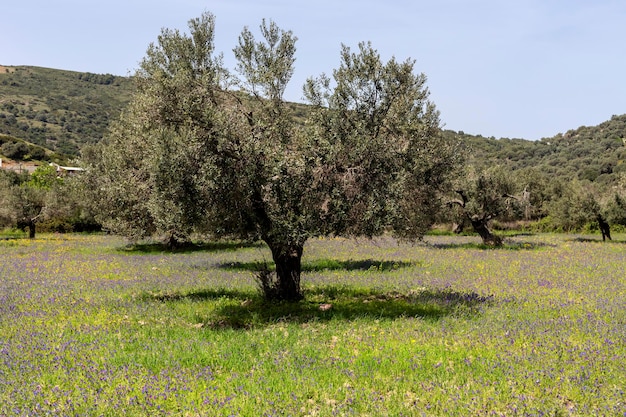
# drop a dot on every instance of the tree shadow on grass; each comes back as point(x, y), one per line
point(10, 238)
point(598, 240)
point(507, 245)
point(319, 265)
point(152, 248)
point(246, 310)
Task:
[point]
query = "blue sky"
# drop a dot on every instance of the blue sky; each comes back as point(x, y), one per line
point(505, 68)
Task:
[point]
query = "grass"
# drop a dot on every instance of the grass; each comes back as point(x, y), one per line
point(9, 234)
point(445, 328)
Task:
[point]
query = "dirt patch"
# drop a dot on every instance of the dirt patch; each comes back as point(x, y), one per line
point(29, 167)
point(6, 70)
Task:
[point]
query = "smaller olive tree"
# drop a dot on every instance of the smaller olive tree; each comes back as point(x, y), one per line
point(484, 196)
point(26, 199)
point(579, 206)
point(535, 189)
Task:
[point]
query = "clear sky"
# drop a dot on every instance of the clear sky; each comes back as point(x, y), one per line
point(505, 68)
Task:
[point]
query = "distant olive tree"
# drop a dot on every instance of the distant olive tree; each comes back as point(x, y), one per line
point(582, 205)
point(535, 189)
point(482, 197)
point(202, 149)
point(25, 199)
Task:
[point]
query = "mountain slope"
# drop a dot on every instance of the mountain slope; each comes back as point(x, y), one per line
point(57, 109)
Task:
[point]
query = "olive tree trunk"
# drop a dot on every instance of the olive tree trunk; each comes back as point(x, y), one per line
point(480, 227)
point(605, 228)
point(30, 223)
point(32, 229)
point(284, 284)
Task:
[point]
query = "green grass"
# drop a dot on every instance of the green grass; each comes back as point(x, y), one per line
point(9, 234)
point(446, 328)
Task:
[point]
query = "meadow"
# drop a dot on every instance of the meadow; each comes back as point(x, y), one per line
point(91, 327)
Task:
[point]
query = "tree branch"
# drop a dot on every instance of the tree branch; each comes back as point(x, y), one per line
point(458, 202)
point(463, 196)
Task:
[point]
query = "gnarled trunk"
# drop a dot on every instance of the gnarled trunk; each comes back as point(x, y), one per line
point(605, 229)
point(30, 223)
point(480, 227)
point(288, 260)
point(457, 228)
point(32, 229)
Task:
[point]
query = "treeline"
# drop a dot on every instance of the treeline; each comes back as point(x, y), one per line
point(564, 183)
point(571, 182)
point(530, 199)
point(18, 150)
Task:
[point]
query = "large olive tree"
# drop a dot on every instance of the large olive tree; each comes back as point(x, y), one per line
point(201, 148)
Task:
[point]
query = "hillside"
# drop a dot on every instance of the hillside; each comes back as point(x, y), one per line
point(59, 110)
point(595, 153)
point(64, 110)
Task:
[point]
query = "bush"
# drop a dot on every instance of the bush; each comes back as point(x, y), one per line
point(74, 224)
point(37, 153)
point(546, 225)
point(55, 225)
point(14, 150)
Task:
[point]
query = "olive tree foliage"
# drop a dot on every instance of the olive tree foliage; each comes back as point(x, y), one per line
point(148, 177)
point(380, 157)
point(8, 181)
point(615, 202)
point(203, 149)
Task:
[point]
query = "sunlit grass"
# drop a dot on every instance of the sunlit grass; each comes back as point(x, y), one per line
point(89, 326)
point(10, 234)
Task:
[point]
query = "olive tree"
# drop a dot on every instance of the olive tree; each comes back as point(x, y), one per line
point(584, 204)
point(201, 148)
point(26, 200)
point(484, 196)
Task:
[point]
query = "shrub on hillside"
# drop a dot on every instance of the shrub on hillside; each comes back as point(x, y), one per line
point(14, 150)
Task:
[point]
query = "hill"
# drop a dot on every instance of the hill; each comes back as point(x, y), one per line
point(594, 153)
point(57, 109)
point(64, 110)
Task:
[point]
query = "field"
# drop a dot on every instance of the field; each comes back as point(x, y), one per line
point(89, 327)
